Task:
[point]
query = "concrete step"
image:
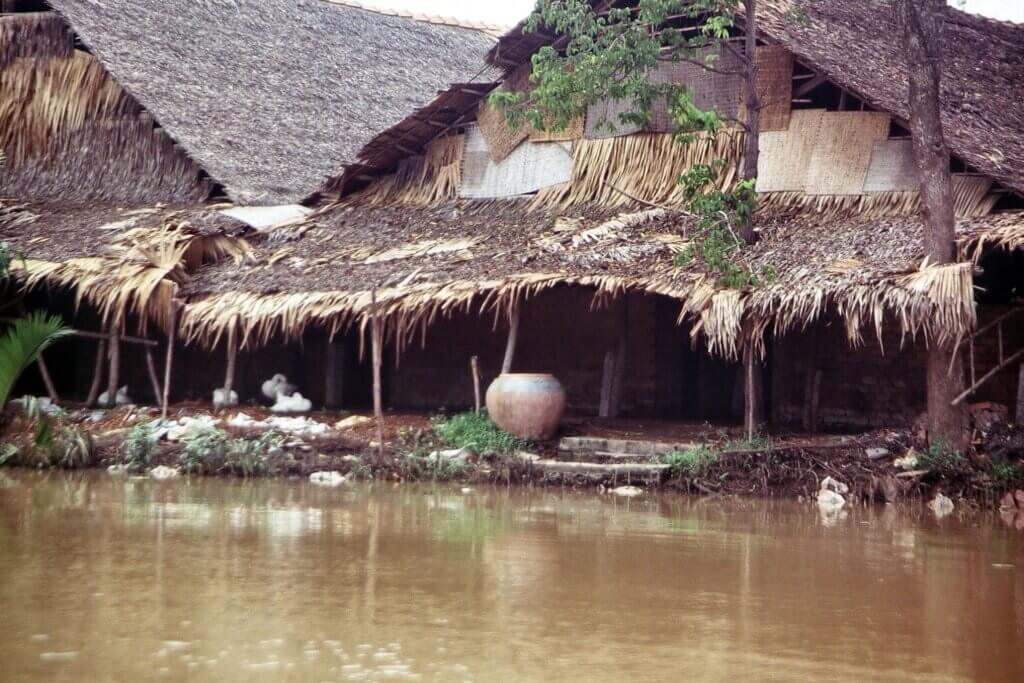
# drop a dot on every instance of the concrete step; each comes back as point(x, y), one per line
point(592, 444)
point(605, 456)
point(618, 473)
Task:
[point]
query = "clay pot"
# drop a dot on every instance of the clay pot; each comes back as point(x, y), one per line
point(529, 406)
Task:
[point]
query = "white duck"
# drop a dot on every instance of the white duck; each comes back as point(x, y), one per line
point(830, 500)
point(278, 384)
point(292, 404)
point(121, 398)
point(220, 400)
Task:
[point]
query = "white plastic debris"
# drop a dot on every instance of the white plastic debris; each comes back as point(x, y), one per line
point(351, 422)
point(183, 429)
point(908, 461)
point(117, 470)
point(329, 479)
point(163, 473)
point(941, 505)
point(628, 491)
point(292, 425)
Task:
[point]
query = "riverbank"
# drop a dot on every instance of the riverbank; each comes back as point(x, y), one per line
point(881, 466)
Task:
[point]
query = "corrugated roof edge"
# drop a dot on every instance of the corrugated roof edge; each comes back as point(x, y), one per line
point(494, 30)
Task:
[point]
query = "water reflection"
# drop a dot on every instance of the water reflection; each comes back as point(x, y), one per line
point(138, 580)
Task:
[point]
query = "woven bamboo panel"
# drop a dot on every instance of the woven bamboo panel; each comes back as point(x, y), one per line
point(892, 167)
point(971, 196)
point(842, 151)
point(501, 139)
point(529, 168)
point(786, 155)
point(774, 86)
point(709, 90)
point(574, 131)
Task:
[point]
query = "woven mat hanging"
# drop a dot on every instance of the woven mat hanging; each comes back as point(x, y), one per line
point(892, 167)
point(529, 168)
point(774, 86)
point(709, 90)
point(786, 155)
point(573, 131)
point(493, 123)
point(842, 151)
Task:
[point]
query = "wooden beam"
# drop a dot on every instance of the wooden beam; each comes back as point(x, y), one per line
point(377, 353)
point(97, 374)
point(171, 338)
point(474, 367)
point(154, 379)
point(232, 350)
point(114, 369)
point(100, 335)
point(513, 337)
point(44, 372)
point(810, 85)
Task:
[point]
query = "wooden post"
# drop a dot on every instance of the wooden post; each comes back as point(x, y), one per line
point(750, 393)
point(229, 375)
point(171, 337)
point(1019, 419)
point(474, 366)
point(97, 375)
point(615, 399)
point(154, 379)
point(607, 380)
point(513, 335)
point(44, 372)
point(377, 353)
point(114, 370)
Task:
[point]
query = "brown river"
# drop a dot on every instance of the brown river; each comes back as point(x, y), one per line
point(105, 579)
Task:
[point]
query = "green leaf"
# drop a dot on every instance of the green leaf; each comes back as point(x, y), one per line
point(22, 344)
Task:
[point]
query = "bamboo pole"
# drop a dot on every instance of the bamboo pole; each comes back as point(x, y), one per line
point(619, 378)
point(229, 375)
point(607, 380)
point(513, 335)
point(474, 366)
point(44, 372)
point(114, 369)
point(749, 393)
point(170, 359)
point(377, 354)
point(97, 375)
point(154, 378)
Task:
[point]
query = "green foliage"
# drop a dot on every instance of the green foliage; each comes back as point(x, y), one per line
point(8, 453)
point(608, 56)
point(692, 462)
point(21, 345)
point(475, 432)
point(1004, 473)
point(210, 450)
point(941, 457)
point(755, 443)
point(139, 446)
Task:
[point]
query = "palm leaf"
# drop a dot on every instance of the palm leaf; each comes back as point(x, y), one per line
point(21, 345)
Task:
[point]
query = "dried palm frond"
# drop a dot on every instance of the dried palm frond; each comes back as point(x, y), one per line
point(431, 177)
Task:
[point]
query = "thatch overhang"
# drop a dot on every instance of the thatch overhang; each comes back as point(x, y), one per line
point(855, 43)
point(435, 260)
point(272, 97)
point(124, 261)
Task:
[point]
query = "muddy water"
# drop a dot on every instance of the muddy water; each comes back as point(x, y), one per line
point(131, 580)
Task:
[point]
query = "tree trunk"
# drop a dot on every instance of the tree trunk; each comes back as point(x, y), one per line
point(752, 150)
point(921, 23)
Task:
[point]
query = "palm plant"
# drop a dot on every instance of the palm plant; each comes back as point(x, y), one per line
point(21, 345)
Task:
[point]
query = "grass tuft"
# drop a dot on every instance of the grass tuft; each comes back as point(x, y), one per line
point(477, 433)
point(692, 462)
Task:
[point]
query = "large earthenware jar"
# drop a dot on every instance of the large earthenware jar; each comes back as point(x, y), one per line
point(529, 406)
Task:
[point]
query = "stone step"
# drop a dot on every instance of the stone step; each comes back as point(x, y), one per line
point(592, 444)
point(605, 456)
point(619, 473)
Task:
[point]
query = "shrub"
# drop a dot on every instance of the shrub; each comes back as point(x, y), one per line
point(139, 446)
point(1004, 474)
point(250, 457)
point(205, 451)
point(940, 457)
point(693, 462)
point(477, 433)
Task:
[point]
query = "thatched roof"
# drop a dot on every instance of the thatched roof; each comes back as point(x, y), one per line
point(271, 97)
point(430, 260)
point(856, 44)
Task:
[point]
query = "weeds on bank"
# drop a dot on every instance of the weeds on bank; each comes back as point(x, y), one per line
point(54, 442)
point(422, 459)
point(210, 450)
point(139, 447)
point(475, 432)
point(692, 462)
point(1005, 474)
point(940, 457)
point(755, 443)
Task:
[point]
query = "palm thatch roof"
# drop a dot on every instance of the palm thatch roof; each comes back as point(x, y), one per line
point(432, 260)
point(855, 43)
point(271, 97)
